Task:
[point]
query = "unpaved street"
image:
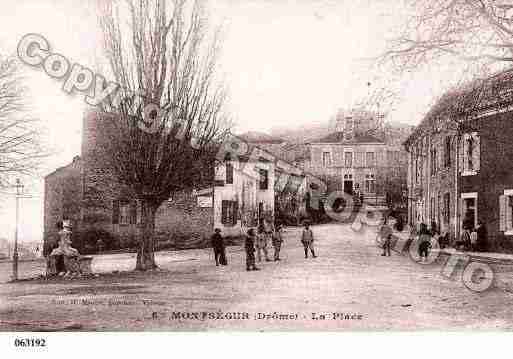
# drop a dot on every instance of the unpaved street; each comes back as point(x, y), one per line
point(350, 286)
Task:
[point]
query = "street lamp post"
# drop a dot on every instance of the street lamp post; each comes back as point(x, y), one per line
point(19, 190)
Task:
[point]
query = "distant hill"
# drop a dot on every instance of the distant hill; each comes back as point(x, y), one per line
point(395, 132)
point(303, 134)
point(260, 137)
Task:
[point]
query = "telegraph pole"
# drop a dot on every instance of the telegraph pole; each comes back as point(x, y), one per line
point(19, 191)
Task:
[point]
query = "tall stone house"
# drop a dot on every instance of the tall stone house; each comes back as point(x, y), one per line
point(459, 165)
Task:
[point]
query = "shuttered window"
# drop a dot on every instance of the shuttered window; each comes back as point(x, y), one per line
point(447, 152)
point(359, 159)
point(229, 173)
point(369, 159)
point(348, 159)
point(229, 210)
point(326, 159)
point(133, 212)
point(124, 213)
point(115, 212)
point(470, 151)
point(506, 211)
point(264, 179)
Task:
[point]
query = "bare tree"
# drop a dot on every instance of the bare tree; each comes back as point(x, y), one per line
point(164, 60)
point(471, 30)
point(21, 148)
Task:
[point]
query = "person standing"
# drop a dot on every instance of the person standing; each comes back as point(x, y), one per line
point(261, 243)
point(277, 241)
point(473, 239)
point(464, 240)
point(424, 242)
point(482, 237)
point(387, 245)
point(219, 248)
point(249, 246)
point(307, 240)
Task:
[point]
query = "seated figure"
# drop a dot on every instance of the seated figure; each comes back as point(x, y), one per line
point(64, 258)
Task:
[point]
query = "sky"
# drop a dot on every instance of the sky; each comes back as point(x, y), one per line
point(286, 64)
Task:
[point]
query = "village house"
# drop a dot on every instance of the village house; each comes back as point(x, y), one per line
point(242, 193)
point(356, 159)
point(459, 165)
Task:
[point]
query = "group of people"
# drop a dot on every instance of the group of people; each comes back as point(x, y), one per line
point(471, 239)
point(258, 241)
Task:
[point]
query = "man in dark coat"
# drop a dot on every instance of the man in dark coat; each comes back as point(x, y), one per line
point(249, 246)
point(219, 249)
point(482, 237)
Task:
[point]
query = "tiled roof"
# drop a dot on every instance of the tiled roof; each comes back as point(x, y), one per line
point(338, 137)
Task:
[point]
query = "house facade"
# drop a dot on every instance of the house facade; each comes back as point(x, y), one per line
point(460, 171)
point(354, 160)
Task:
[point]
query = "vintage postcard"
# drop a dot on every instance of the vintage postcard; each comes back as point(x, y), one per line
point(255, 165)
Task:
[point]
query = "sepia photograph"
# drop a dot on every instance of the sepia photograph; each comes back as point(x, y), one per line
point(255, 166)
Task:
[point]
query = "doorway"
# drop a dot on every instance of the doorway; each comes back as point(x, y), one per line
point(348, 187)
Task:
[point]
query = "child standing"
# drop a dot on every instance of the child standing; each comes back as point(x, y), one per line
point(277, 241)
point(261, 243)
point(387, 244)
point(307, 240)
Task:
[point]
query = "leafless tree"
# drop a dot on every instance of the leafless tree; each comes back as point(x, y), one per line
point(161, 52)
point(471, 30)
point(21, 148)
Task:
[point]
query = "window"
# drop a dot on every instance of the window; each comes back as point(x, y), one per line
point(416, 167)
point(124, 213)
point(369, 159)
point(370, 183)
point(432, 210)
point(348, 159)
point(469, 210)
point(229, 173)
point(115, 212)
point(447, 207)
point(326, 159)
point(264, 179)
point(447, 152)
point(229, 210)
point(506, 212)
point(434, 164)
point(471, 154)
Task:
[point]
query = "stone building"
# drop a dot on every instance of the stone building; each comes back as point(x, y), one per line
point(459, 164)
point(356, 158)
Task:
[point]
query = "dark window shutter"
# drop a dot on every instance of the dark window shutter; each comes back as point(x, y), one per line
point(133, 212)
point(224, 211)
point(229, 173)
point(235, 212)
point(264, 179)
point(115, 211)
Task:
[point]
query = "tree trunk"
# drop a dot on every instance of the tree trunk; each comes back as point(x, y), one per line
point(145, 253)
